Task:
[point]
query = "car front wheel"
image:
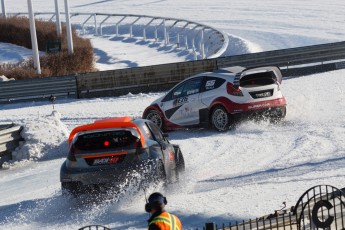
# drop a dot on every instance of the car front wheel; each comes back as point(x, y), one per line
point(155, 117)
point(220, 119)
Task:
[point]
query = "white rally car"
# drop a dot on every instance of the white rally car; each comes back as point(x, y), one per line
point(217, 99)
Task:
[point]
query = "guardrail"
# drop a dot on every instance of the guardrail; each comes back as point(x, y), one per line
point(293, 62)
point(9, 141)
point(201, 40)
point(38, 89)
point(161, 77)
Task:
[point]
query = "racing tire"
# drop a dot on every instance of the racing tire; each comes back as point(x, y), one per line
point(220, 119)
point(160, 174)
point(154, 116)
point(278, 116)
point(180, 165)
point(70, 188)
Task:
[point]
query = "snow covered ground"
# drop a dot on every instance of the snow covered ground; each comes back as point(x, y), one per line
point(240, 174)
point(13, 53)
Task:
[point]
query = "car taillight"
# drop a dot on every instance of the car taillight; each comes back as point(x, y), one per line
point(71, 154)
point(232, 90)
point(106, 143)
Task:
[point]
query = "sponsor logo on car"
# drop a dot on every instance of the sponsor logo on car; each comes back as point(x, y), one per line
point(259, 106)
point(106, 160)
point(264, 94)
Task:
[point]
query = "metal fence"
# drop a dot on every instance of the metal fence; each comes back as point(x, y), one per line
point(9, 141)
point(320, 207)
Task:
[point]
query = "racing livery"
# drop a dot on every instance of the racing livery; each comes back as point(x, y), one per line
point(110, 152)
point(216, 99)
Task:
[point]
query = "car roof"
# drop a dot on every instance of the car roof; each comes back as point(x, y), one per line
point(222, 72)
point(237, 72)
point(108, 123)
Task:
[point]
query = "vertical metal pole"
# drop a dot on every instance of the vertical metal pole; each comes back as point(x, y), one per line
point(3, 7)
point(156, 36)
point(96, 28)
point(165, 33)
point(202, 45)
point(57, 15)
point(37, 65)
point(194, 51)
point(178, 41)
point(186, 41)
point(69, 29)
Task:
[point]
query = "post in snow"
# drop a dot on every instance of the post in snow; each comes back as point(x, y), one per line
point(34, 45)
point(57, 16)
point(69, 29)
point(3, 7)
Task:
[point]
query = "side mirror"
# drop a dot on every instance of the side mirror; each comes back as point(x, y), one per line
point(165, 135)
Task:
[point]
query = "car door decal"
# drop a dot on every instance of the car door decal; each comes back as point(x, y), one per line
point(170, 112)
point(177, 103)
point(180, 101)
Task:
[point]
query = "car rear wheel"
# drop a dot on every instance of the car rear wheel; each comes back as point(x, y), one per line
point(155, 117)
point(160, 173)
point(70, 188)
point(180, 165)
point(220, 119)
point(278, 115)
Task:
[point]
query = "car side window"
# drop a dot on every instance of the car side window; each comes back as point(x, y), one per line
point(157, 133)
point(189, 87)
point(211, 83)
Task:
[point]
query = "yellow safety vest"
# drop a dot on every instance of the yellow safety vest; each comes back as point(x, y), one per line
point(167, 221)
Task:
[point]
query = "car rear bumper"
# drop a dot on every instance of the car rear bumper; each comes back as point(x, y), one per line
point(114, 176)
point(257, 106)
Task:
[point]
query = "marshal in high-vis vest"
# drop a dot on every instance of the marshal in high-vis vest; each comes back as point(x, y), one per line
point(161, 219)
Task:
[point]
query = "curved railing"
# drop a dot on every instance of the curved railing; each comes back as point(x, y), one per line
point(201, 40)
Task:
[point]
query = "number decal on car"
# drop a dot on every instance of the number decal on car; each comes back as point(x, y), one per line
point(210, 84)
point(180, 101)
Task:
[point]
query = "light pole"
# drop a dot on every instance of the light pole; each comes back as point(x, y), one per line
point(57, 16)
point(3, 7)
point(37, 65)
point(68, 28)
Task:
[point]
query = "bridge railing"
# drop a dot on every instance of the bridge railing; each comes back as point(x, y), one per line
point(200, 40)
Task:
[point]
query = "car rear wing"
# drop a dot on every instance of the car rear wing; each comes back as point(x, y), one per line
point(265, 69)
point(99, 126)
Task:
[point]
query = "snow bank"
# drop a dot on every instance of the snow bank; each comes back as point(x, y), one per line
point(4, 78)
point(45, 138)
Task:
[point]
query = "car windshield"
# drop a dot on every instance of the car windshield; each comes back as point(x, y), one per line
point(105, 140)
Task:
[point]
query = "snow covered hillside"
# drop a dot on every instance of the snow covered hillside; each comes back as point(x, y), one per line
point(243, 173)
